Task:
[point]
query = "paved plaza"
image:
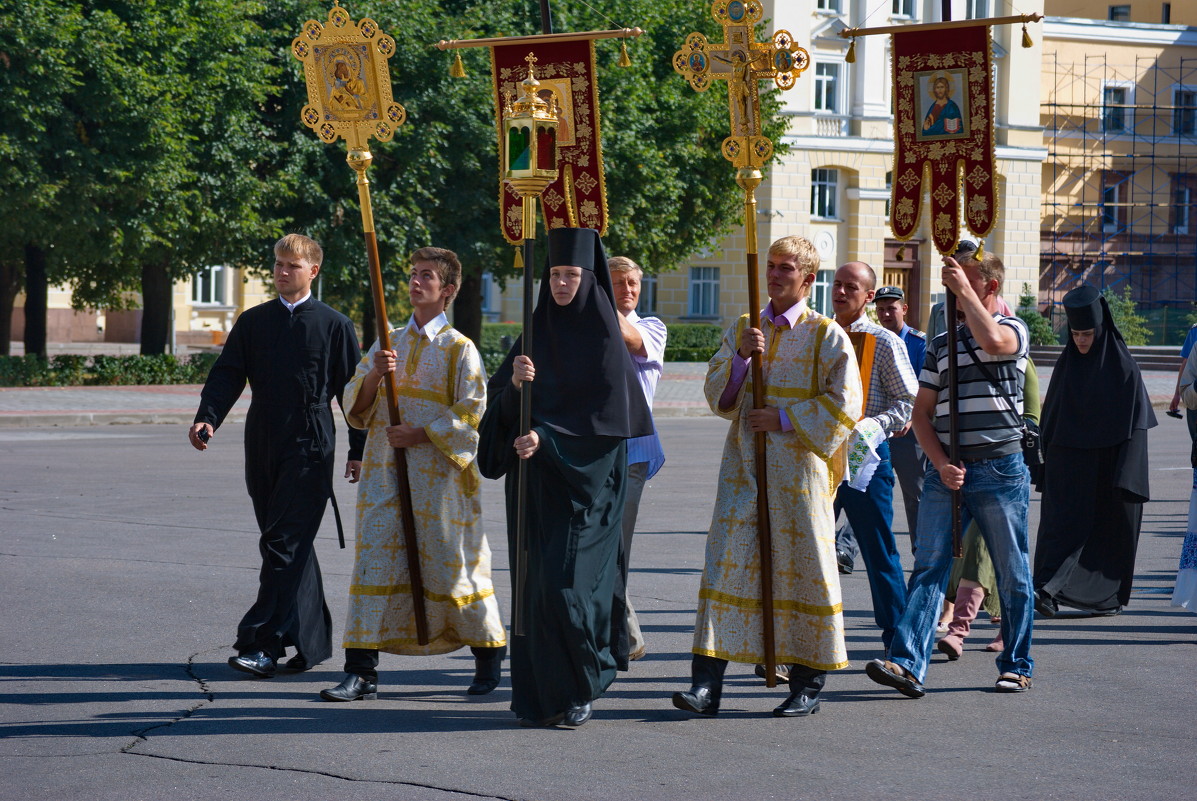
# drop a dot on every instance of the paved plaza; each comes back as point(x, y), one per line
point(128, 558)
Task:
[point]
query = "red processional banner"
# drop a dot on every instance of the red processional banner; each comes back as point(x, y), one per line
point(578, 198)
point(943, 133)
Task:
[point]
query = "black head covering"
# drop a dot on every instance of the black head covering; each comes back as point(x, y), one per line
point(585, 382)
point(1095, 399)
point(1083, 306)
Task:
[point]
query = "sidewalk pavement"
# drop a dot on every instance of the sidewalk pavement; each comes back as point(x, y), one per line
point(679, 394)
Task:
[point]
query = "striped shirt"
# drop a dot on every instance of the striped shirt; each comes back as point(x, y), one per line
point(988, 426)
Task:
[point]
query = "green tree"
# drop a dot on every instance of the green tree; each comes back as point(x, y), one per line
point(1028, 311)
point(1123, 309)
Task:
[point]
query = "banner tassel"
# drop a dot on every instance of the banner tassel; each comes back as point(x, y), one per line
point(851, 57)
point(980, 249)
point(1026, 37)
point(458, 69)
point(901, 254)
point(519, 260)
point(624, 59)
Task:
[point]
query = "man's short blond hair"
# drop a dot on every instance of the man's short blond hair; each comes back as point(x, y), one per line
point(303, 246)
point(800, 248)
point(448, 267)
point(622, 264)
point(989, 265)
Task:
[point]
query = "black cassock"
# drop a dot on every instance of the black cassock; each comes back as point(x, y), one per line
point(295, 363)
point(576, 490)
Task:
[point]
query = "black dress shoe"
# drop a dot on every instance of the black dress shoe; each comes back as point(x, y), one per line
point(1046, 605)
point(487, 672)
point(577, 714)
point(297, 664)
point(798, 705)
point(845, 560)
point(354, 688)
point(255, 663)
point(697, 699)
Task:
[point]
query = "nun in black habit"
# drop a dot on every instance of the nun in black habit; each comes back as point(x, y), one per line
point(586, 403)
point(1095, 420)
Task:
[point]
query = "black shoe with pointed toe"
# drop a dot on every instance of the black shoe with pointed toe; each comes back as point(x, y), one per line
point(697, 699)
point(798, 705)
point(255, 663)
point(353, 688)
point(577, 714)
point(297, 664)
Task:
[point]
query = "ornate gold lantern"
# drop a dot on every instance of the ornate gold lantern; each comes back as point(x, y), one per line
point(530, 140)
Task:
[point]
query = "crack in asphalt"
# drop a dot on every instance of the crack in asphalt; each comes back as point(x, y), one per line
point(327, 774)
point(141, 736)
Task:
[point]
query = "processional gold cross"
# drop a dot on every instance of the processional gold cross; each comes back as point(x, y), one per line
point(743, 62)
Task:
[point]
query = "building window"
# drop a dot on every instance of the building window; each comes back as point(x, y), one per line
point(647, 305)
point(903, 8)
point(487, 290)
point(827, 87)
point(823, 193)
point(1113, 109)
point(1115, 194)
point(1166, 14)
point(704, 291)
point(889, 191)
point(976, 9)
point(1119, 14)
point(830, 6)
point(820, 293)
point(209, 287)
point(1184, 115)
point(1182, 204)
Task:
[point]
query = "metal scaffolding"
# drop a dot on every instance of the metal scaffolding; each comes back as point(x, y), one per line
point(1120, 194)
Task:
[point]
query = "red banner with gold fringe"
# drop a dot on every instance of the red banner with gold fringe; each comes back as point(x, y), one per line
point(578, 198)
point(943, 133)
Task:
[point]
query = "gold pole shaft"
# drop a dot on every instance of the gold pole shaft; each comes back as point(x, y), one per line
point(359, 159)
point(749, 179)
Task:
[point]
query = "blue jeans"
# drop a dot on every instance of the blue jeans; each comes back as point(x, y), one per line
point(996, 494)
point(871, 515)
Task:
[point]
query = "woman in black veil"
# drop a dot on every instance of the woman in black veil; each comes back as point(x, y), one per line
point(587, 402)
point(1095, 421)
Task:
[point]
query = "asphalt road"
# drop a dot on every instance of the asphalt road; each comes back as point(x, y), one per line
point(127, 559)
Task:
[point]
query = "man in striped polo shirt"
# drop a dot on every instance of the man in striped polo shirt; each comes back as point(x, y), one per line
point(993, 480)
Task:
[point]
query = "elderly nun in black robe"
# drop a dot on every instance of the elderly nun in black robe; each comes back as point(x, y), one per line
point(1095, 421)
point(586, 404)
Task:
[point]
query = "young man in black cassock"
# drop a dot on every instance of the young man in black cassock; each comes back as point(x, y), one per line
point(297, 354)
point(586, 403)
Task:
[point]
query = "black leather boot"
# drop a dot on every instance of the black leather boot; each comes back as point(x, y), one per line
point(488, 668)
point(706, 673)
point(805, 684)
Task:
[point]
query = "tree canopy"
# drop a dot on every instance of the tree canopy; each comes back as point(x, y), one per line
point(147, 139)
